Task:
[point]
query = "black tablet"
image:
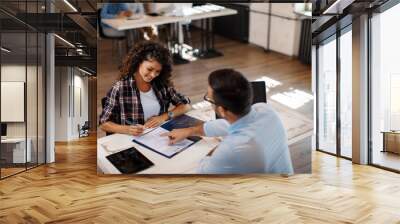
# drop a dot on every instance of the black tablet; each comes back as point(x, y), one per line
point(129, 161)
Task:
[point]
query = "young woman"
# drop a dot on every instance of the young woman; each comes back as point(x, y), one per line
point(141, 97)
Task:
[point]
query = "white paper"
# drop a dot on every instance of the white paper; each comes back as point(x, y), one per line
point(161, 143)
point(114, 146)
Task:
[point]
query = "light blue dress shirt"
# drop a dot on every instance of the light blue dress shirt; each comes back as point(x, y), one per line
point(256, 143)
point(111, 10)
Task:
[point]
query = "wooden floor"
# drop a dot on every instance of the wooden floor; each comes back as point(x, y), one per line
point(10, 171)
point(70, 191)
point(386, 159)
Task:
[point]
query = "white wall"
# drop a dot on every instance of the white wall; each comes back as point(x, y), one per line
point(61, 103)
point(258, 27)
point(79, 118)
point(67, 114)
point(15, 72)
point(284, 31)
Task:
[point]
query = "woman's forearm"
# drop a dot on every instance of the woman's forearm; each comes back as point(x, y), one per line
point(181, 109)
point(112, 127)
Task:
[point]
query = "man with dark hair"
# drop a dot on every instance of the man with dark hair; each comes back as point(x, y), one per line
point(254, 141)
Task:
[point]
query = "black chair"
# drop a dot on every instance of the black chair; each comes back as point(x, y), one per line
point(84, 130)
point(259, 93)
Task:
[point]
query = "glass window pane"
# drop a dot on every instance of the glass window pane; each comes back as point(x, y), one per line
point(327, 97)
point(23, 87)
point(346, 94)
point(385, 84)
point(31, 97)
point(13, 85)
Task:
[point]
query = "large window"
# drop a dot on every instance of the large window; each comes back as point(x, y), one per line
point(335, 94)
point(346, 93)
point(385, 88)
point(327, 97)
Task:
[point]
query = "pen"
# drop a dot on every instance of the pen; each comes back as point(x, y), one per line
point(127, 122)
point(132, 124)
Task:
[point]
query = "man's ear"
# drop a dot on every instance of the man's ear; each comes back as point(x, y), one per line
point(221, 111)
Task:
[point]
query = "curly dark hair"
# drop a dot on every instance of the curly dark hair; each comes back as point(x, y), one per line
point(146, 50)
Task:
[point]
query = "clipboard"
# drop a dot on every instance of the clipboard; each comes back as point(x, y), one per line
point(153, 141)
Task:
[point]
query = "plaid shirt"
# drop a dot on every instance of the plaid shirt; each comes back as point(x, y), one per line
point(122, 104)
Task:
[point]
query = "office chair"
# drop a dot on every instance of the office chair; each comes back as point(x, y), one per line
point(259, 92)
point(84, 130)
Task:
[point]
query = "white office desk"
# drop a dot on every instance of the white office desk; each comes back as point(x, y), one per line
point(123, 24)
point(185, 162)
point(19, 155)
point(126, 24)
point(207, 49)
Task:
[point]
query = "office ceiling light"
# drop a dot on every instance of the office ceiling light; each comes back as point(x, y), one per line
point(5, 50)
point(70, 5)
point(65, 41)
point(84, 71)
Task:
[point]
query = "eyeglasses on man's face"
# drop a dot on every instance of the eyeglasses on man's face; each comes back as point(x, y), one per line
point(208, 99)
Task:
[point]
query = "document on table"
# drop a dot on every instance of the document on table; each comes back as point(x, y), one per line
point(160, 144)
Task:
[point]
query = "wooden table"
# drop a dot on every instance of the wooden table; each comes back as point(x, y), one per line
point(391, 141)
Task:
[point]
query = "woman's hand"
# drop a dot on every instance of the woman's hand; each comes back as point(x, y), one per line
point(134, 130)
point(155, 121)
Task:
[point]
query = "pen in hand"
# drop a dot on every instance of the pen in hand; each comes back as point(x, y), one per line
point(134, 129)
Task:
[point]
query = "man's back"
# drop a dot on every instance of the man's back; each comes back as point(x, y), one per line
point(256, 143)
